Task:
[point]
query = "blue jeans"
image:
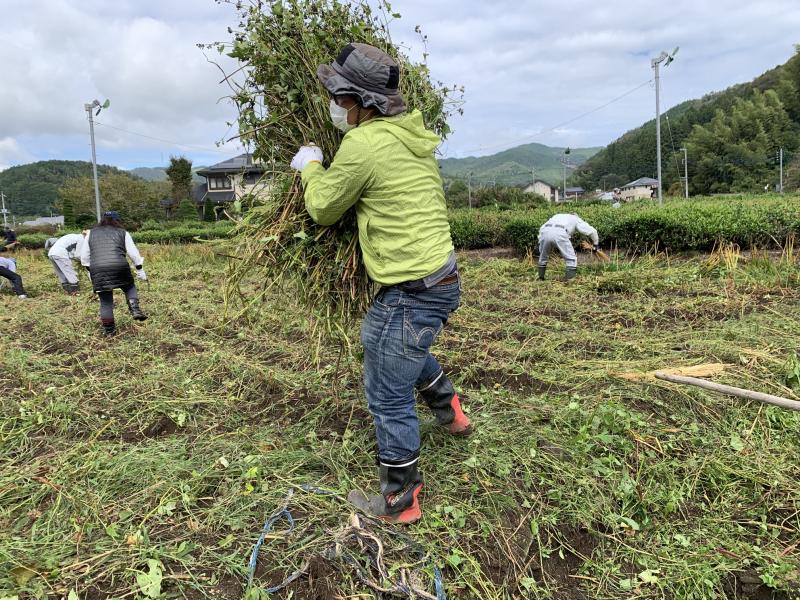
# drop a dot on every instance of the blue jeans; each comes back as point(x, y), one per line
point(397, 334)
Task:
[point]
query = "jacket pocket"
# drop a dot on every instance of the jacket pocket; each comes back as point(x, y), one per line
point(366, 238)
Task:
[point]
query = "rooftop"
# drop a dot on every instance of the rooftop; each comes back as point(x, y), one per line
point(237, 164)
point(642, 182)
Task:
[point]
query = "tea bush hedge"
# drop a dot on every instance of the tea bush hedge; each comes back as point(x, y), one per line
point(680, 225)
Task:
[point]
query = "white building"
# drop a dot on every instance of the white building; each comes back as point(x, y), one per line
point(544, 189)
point(642, 188)
point(42, 221)
point(225, 182)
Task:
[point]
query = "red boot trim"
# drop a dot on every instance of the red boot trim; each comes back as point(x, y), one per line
point(461, 424)
point(409, 515)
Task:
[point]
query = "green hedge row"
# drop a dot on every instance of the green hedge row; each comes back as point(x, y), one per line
point(694, 224)
point(175, 235)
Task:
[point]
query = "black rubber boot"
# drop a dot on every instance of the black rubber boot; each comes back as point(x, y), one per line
point(109, 327)
point(439, 394)
point(542, 269)
point(70, 288)
point(398, 501)
point(571, 272)
point(136, 312)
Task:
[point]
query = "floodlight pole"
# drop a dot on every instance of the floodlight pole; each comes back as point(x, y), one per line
point(89, 108)
point(685, 173)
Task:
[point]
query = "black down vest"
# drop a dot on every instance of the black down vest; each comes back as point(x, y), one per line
point(108, 261)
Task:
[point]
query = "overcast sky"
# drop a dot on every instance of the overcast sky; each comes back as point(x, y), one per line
point(528, 68)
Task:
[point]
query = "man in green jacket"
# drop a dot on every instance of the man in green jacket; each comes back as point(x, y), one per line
point(386, 168)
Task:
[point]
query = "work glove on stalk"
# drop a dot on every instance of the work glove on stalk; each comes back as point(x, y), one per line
point(305, 156)
point(141, 274)
point(595, 247)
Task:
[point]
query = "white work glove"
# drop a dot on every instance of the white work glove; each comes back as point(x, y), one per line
point(306, 155)
point(141, 274)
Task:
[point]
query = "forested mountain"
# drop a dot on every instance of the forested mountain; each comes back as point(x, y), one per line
point(160, 174)
point(32, 190)
point(515, 166)
point(732, 137)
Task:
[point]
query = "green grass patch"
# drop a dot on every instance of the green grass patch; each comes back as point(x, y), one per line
point(145, 465)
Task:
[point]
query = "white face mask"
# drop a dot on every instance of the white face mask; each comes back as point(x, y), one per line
point(339, 117)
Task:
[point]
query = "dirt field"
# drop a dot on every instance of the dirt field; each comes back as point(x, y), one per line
point(145, 466)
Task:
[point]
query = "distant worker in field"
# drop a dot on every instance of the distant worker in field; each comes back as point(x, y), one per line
point(8, 269)
point(616, 198)
point(11, 242)
point(557, 233)
point(61, 253)
point(386, 168)
point(105, 252)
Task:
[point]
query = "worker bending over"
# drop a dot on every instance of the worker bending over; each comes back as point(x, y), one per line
point(557, 233)
point(8, 269)
point(105, 253)
point(61, 253)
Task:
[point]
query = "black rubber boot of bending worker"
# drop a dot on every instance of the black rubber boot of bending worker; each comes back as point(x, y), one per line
point(136, 312)
point(571, 272)
point(109, 327)
point(398, 501)
point(70, 288)
point(542, 269)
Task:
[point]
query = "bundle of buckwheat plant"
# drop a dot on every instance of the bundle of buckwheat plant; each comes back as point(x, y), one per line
point(282, 106)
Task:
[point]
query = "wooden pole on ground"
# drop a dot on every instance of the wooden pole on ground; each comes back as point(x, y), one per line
point(730, 390)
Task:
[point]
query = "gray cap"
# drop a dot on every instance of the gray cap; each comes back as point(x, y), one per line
point(369, 74)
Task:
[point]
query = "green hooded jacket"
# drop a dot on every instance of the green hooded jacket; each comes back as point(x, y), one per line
point(386, 168)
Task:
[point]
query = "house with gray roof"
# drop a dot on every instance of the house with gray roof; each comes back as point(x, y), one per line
point(226, 182)
point(641, 188)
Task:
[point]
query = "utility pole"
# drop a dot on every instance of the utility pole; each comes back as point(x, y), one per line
point(469, 189)
point(685, 173)
point(564, 162)
point(658, 133)
point(4, 211)
point(781, 179)
point(89, 107)
point(655, 64)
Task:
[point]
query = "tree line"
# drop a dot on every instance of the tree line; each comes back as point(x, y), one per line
point(138, 200)
point(732, 139)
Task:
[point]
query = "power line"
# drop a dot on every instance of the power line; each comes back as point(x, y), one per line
point(171, 142)
point(567, 122)
point(674, 151)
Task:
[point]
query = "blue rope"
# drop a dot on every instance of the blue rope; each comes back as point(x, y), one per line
point(438, 579)
point(284, 512)
point(439, 583)
point(251, 566)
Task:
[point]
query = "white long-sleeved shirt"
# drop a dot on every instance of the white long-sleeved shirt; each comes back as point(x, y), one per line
point(8, 263)
point(130, 249)
point(572, 223)
point(67, 246)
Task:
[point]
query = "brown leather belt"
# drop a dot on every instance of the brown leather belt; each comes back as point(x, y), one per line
point(449, 279)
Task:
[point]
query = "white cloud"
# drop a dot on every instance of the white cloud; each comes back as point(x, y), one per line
point(11, 153)
point(66, 53)
point(529, 67)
